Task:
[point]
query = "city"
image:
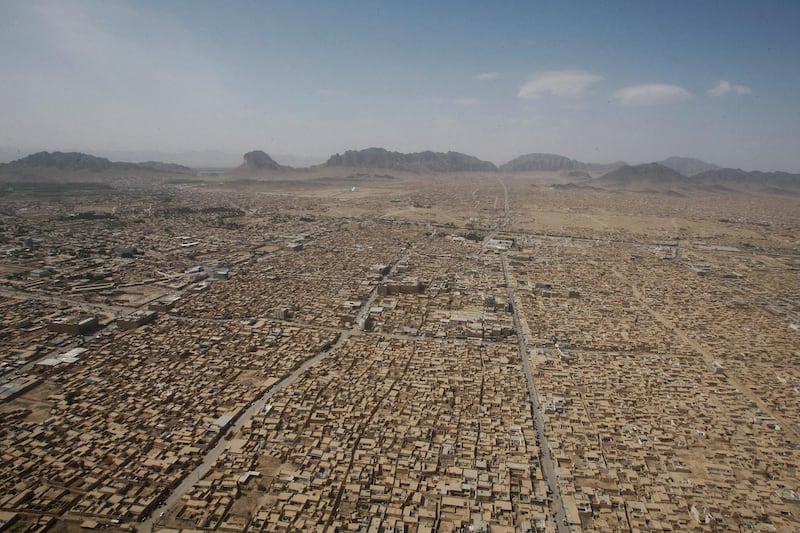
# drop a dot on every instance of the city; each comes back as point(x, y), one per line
point(399, 355)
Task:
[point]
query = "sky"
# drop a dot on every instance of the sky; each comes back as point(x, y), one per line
point(598, 81)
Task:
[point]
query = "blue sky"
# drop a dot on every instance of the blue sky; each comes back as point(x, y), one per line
point(597, 81)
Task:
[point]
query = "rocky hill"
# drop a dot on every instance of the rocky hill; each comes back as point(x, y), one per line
point(259, 160)
point(688, 166)
point(648, 177)
point(533, 162)
point(658, 178)
point(77, 162)
point(755, 181)
point(554, 162)
point(160, 166)
point(63, 161)
point(414, 162)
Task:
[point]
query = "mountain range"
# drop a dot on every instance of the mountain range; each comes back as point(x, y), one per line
point(80, 162)
point(415, 162)
point(660, 178)
point(677, 175)
point(554, 162)
point(257, 161)
point(688, 166)
point(642, 177)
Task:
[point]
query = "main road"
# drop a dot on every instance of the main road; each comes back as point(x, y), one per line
point(558, 512)
point(560, 516)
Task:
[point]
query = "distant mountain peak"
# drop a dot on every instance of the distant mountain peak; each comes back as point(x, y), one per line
point(649, 176)
point(552, 162)
point(81, 162)
point(754, 181)
point(659, 178)
point(688, 166)
point(63, 161)
point(542, 161)
point(259, 160)
point(414, 162)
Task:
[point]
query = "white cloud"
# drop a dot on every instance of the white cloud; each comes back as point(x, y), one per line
point(724, 87)
point(466, 101)
point(487, 76)
point(652, 94)
point(565, 83)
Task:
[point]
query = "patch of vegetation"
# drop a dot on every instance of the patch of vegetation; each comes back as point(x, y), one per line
point(473, 236)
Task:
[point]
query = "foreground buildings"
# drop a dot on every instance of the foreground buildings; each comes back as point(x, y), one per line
point(305, 360)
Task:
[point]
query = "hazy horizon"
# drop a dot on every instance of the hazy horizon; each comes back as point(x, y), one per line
point(597, 83)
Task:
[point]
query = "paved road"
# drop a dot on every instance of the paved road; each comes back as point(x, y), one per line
point(506, 207)
point(561, 518)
